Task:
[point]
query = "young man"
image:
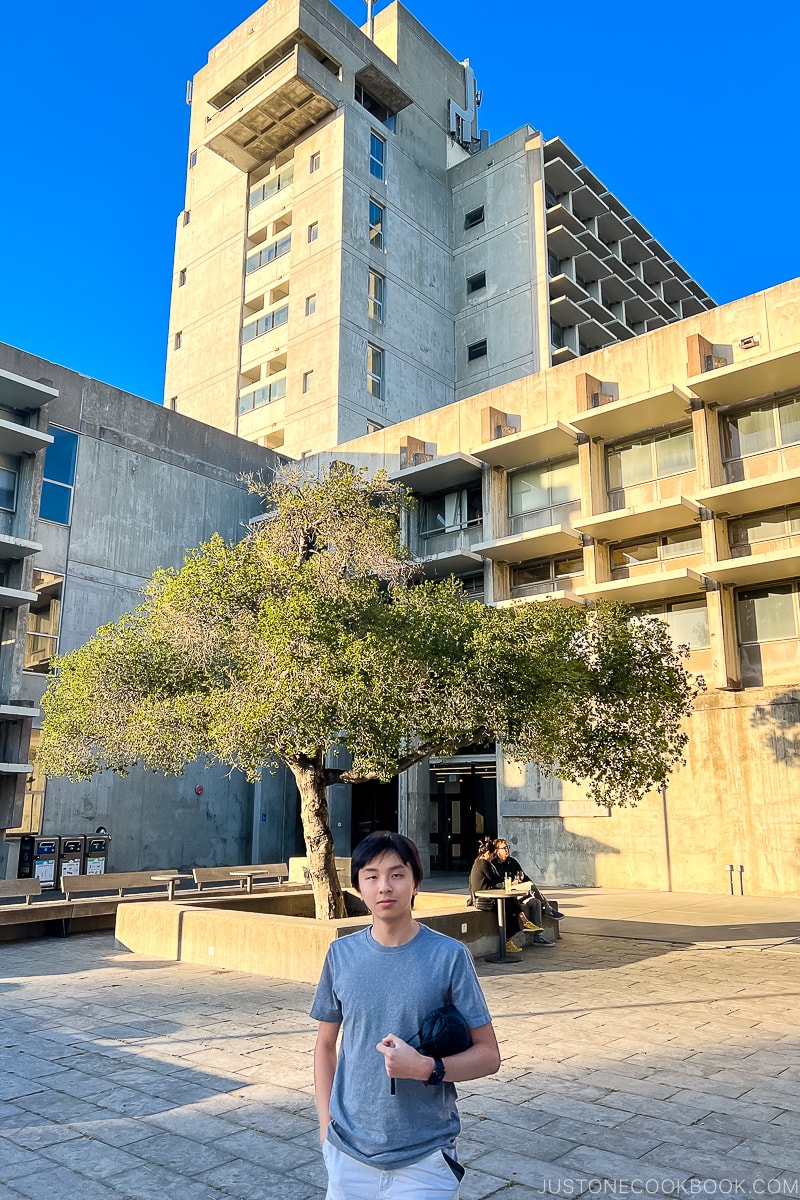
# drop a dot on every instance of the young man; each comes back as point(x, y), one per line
point(536, 903)
point(378, 986)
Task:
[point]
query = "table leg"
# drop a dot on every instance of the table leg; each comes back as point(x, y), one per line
point(249, 886)
point(171, 888)
point(502, 953)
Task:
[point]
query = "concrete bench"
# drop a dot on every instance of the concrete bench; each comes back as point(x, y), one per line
point(18, 889)
point(119, 882)
point(203, 876)
point(298, 870)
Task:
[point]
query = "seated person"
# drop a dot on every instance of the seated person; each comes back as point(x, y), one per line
point(535, 904)
point(485, 876)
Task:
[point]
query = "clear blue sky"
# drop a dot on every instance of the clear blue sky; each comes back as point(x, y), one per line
point(688, 111)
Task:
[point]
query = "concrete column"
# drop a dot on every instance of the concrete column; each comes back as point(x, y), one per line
point(413, 813)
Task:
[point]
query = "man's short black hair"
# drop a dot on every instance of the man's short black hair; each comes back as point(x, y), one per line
point(376, 844)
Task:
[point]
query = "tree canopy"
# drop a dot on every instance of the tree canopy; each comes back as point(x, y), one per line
point(315, 633)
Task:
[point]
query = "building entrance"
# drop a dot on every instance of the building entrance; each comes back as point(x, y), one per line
point(463, 809)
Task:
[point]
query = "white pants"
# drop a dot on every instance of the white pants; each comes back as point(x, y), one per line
point(429, 1179)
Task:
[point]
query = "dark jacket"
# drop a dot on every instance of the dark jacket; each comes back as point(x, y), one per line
point(484, 874)
point(510, 867)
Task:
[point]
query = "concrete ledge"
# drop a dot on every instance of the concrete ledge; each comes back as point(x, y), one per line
point(277, 935)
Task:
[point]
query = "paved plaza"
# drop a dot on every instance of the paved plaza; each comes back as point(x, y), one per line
point(632, 1065)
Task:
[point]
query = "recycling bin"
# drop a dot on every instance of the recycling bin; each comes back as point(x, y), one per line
point(97, 853)
point(38, 859)
point(72, 856)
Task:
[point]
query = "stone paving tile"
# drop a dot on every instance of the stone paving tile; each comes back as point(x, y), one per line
point(268, 1151)
point(684, 1135)
point(92, 1158)
point(180, 1153)
point(243, 1178)
point(53, 1182)
point(155, 1183)
point(605, 1165)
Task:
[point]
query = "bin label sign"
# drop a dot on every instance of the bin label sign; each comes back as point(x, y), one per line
point(71, 866)
point(45, 871)
point(95, 866)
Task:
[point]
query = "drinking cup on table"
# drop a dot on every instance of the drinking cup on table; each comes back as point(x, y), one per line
point(507, 883)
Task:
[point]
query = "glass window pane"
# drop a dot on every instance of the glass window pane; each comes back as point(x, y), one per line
point(793, 519)
point(55, 503)
point(626, 556)
point(59, 459)
point(563, 567)
point(8, 489)
point(789, 420)
point(529, 492)
point(688, 624)
point(752, 432)
point(682, 541)
point(565, 482)
point(766, 614)
point(630, 465)
point(675, 454)
point(760, 528)
point(534, 572)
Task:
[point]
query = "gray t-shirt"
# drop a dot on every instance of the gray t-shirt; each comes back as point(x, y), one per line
point(374, 990)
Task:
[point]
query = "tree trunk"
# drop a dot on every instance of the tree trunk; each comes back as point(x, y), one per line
point(328, 898)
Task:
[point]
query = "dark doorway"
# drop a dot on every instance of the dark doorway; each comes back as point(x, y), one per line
point(463, 809)
point(374, 807)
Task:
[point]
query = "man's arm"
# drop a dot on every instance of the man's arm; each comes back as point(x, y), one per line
point(324, 1070)
point(404, 1062)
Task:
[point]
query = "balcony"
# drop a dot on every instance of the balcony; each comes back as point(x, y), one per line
point(19, 712)
point(535, 543)
point(749, 378)
point(21, 439)
point(458, 561)
point(641, 589)
point(753, 495)
point(530, 446)
point(560, 595)
point(290, 98)
point(623, 418)
point(17, 392)
point(16, 548)
point(15, 597)
point(678, 512)
point(753, 569)
point(440, 474)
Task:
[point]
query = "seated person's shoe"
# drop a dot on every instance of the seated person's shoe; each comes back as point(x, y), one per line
point(511, 948)
point(554, 913)
point(529, 927)
point(542, 941)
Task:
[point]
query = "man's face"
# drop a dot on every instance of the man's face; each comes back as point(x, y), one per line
point(502, 851)
point(387, 886)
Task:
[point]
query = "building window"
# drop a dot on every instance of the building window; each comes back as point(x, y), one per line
point(182, 277)
point(8, 489)
point(268, 254)
point(451, 511)
point(759, 428)
point(476, 350)
point(313, 231)
point(41, 643)
point(544, 495)
point(544, 574)
point(476, 283)
point(377, 156)
point(270, 320)
point(263, 395)
point(313, 162)
point(376, 108)
point(276, 182)
point(187, 216)
point(177, 341)
point(311, 305)
point(373, 427)
point(556, 336)
point(553, 263)
point(173, 403)
point(474, 217)
point(377, 287)
point(374, 372)
point(59, 476)
point(687, 621)
point(649, 459)
point(193, 160)
point(308, 381)
point(767, 614)
point(747, 533)
point(376, 224)
point(677, 544)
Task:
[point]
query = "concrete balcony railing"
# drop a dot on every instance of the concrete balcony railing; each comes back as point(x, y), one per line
point(290, 98)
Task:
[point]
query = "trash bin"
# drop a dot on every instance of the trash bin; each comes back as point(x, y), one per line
point(72, 856)
point(38, 858)
point(97, 853)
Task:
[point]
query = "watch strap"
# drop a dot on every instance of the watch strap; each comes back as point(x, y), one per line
point(437, 1074)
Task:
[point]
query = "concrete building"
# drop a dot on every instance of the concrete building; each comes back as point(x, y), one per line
point(100, 489)
point(662, 471)
point(354, 251)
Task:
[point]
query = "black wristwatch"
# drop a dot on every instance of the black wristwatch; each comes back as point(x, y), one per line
point(437, 1074)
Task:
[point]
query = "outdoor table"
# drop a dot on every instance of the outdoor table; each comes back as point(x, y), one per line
point(501, 895)
point(170, 878)
point(246, 875)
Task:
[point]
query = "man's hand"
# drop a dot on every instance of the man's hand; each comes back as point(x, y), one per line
point(403, 1061)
